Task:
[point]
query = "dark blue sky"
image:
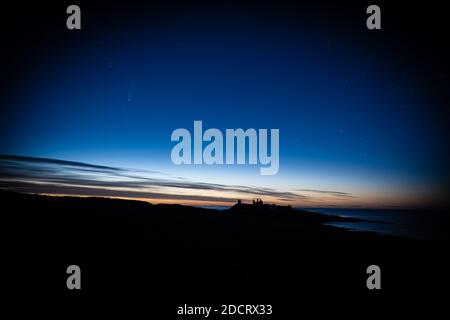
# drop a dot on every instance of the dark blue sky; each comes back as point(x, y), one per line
point(350, 118)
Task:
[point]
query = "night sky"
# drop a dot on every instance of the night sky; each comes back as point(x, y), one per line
point(362, 114)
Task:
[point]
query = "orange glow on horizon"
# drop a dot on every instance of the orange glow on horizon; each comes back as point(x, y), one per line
point(313, 203)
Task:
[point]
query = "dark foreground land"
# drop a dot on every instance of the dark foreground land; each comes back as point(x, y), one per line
point(163, 256)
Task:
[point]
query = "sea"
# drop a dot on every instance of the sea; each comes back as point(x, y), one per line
point(418, 224)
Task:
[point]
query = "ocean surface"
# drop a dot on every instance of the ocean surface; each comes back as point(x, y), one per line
point(419, 224)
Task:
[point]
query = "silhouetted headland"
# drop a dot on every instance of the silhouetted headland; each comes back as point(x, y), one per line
point(259, 209)
point(174, 252)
